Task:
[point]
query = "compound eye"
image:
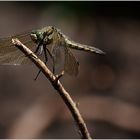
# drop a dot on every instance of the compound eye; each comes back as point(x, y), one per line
point(34, 37)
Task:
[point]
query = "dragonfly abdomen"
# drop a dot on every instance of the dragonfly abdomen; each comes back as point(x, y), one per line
point(77, 46)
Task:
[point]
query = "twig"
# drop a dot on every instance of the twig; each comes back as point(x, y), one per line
point(58, 86)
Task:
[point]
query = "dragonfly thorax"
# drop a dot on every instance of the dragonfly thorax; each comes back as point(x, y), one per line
point(48, 30)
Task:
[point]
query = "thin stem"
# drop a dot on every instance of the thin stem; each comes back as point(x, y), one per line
point(58, 86)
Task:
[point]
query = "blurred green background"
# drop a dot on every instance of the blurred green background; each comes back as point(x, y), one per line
point(107, 87)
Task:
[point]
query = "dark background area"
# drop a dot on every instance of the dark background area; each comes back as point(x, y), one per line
point(107, 87)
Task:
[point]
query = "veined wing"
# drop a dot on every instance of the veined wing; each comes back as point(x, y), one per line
point(62, 56)
point(71, 64)
point(59, 51)
point(11, 55)
point(56, 50)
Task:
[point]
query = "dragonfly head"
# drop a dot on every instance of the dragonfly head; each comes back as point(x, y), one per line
point(36, 36)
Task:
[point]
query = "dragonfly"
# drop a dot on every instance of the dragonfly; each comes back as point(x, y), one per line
point(47, 41)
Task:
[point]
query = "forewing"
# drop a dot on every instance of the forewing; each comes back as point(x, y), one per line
point(71, 64)
point(11, 55)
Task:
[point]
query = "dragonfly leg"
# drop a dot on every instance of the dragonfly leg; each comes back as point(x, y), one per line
point(37, 75)
point(39, 46)
point(53, 59)
point(45, 53)
point(36, 51)
point(49, 53)
point(46, 59)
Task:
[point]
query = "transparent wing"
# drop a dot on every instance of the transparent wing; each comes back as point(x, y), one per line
point(71, 64)
point(57, 53)
point(62, 55)
point(10, 55)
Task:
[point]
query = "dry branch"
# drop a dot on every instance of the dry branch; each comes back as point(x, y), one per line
point(58, 86)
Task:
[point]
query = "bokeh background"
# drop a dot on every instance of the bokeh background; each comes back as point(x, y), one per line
point(107, 87)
